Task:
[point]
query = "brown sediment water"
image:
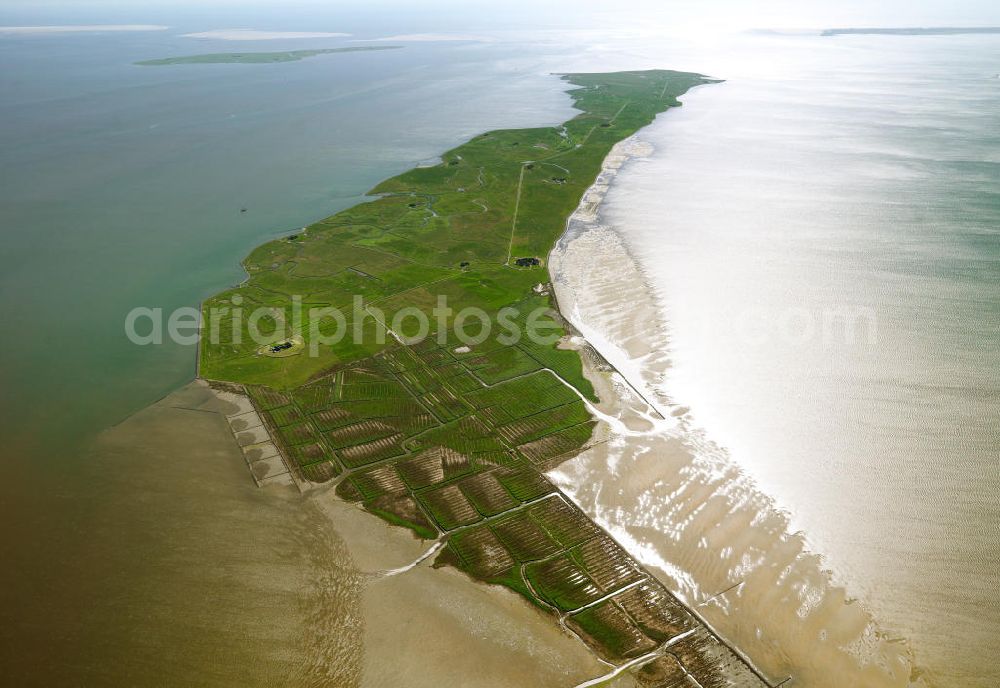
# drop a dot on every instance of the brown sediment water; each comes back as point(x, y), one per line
point(680, 504)
point(167, 566)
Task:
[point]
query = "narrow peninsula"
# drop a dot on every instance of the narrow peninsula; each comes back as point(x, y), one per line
point(453, 440)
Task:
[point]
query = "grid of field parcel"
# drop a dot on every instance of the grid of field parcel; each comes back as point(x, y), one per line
point(422, 420)
point(419, 436)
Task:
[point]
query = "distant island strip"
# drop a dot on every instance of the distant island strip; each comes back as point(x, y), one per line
point(916, 31)
point(258, 58)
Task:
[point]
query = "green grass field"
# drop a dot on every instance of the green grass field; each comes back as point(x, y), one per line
point(454, 230)
point(451, 440)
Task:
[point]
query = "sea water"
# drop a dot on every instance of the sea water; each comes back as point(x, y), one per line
point(824, 174)
point(821, 231)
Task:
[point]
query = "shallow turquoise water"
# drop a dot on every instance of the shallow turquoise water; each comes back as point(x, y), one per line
point(123, 187)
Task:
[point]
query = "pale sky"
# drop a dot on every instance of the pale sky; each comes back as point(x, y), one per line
point(437, 15)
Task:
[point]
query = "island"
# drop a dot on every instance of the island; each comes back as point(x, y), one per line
point(451, 436)
point(913, 31)
point(258, 58)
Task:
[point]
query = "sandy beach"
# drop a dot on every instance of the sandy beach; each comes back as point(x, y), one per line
point(432, 627)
